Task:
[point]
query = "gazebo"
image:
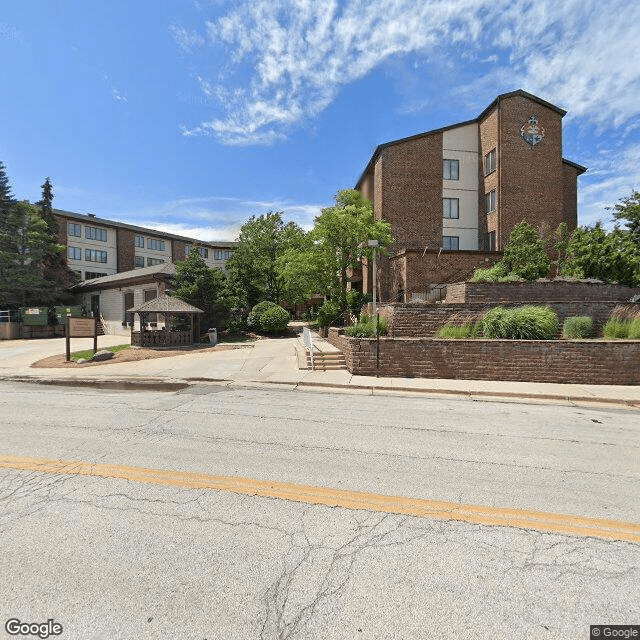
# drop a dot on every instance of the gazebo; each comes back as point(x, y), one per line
point(165, 337)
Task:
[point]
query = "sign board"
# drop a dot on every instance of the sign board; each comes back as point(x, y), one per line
point(81, 328)
point(33, 312)
point(308, 342)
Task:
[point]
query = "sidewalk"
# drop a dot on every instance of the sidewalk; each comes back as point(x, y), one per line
point(274, 362)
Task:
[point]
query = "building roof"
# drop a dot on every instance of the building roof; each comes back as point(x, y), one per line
point(89, 218)
point(502, 96)
point(575, 165)
point(155, 272)
point(165, 304)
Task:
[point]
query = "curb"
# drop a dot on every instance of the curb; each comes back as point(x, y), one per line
point(158, 384)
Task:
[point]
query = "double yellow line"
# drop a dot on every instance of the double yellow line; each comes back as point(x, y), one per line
point(538, 520)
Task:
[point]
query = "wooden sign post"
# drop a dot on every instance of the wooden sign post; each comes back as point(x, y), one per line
point(81, 328)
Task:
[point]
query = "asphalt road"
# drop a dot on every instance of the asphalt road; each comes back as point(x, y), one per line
point(237, 513)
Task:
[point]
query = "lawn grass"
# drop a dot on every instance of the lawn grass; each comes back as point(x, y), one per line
point(88, 354)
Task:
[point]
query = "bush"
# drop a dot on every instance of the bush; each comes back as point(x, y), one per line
point(522, 323)
point(578, 327)
point(274, 320)
point(494, 274)
point(366, 327)
point(622, 328)
point(455, 331)
point(256, 313)
point(328, 313)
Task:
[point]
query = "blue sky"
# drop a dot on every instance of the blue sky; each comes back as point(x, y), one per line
point(191, 116)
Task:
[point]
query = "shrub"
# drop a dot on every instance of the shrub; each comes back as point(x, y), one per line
point(628, 328)
point(274, 320)
point(366, 327)
point(522, 323)
point(494, 274)
point(455, 331)
point(329, 312)
point(256, 313)
point(355, 300)
point(578, 327)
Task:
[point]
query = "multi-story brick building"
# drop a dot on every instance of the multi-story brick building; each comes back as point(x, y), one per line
point(452, 195)
point(97, 247)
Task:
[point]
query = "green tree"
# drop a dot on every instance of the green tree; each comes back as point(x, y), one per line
point(54, 267)
point(525, 255)
point(337, 244)
point(594, 253)
point(628, 211)
point(255, 269)
point(203, 287)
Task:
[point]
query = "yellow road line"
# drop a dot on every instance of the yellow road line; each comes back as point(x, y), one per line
point(538, 520)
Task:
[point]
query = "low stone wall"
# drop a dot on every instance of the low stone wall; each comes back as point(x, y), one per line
point(421, 320)
point(559, 361)
point(536, 292)
point(9, 330)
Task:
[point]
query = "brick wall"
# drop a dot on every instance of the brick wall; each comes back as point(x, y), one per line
point(126, 250)
point(578, 362)
point(418, 320)
point(541, 292)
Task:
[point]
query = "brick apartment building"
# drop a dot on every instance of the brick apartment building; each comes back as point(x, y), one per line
point(453, 195)
point(97, 247)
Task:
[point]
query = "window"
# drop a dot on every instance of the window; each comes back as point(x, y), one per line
point(451, 207)
point(491, 240)
point(490, 201)
point(74, 230)
point(490, 162)
point(93, 233)
point(152, 261)
point(74, 253)
point(217, 254)
point(92, 255)
point(140, 241)
point(90, 275)
point(451, 243)
point(204, 252)
point(451, 169)
point(227, 254)
point(139, 262)
point(151, 294)
point(156, 245)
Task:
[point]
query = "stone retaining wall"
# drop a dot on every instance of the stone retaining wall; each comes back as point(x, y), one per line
point(558, 361)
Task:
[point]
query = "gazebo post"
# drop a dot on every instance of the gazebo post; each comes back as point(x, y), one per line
point(191, 315)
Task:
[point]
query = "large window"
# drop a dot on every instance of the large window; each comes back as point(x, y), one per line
point(94, 233)
point(203, 251)
point(451, 169)
point(139, 262)
point(156, 245)
point(90, 275)
point(451, 207)
point(217, 254)
point(128, 304)
point(92, 255)
point(74, 230)
point(140, 241)
point(152, 261)
point(451, 243)
point(490, 201)
point(227, 254)
point(491, 240)
point(74, 253)
point(490, 162)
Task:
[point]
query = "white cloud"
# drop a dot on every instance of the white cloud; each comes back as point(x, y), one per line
point(215, 218)
point(187, 39)
point(291, 57)
point(118, 96)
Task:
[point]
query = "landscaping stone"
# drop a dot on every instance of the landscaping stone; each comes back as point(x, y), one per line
point(104, 354)
point(82, 361)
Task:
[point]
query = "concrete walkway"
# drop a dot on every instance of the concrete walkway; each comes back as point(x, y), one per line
point(275, 362)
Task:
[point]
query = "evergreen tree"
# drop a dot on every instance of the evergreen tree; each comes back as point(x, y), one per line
point(45, 207)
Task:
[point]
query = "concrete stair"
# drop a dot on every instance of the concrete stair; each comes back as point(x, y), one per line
point(327, 361)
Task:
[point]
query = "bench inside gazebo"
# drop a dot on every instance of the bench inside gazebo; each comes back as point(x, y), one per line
point(171, 308)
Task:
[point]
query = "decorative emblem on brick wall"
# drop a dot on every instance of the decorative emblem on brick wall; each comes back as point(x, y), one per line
point(532, 132)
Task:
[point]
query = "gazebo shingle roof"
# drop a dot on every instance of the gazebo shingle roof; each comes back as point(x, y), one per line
point(165, 304)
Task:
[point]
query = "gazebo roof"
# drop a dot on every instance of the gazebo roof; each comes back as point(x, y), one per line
point(165, 304)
